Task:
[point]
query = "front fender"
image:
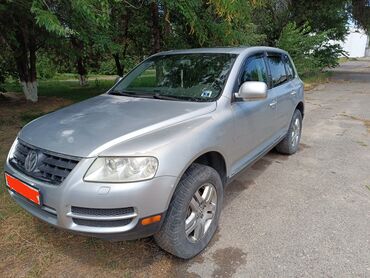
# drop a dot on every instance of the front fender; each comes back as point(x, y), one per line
point(179, 145)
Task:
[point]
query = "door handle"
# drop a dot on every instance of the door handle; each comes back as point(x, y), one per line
point(273, 104)
point(293, 93)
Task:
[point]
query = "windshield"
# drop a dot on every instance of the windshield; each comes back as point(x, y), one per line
point(192, 77)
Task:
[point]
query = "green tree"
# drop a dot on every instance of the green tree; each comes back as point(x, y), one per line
point(330, 16)
point(23, 37)
point(7, 65)
point(81, 22)
point(310, 51)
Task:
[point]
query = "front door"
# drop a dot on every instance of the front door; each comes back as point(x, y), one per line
point(254, 120)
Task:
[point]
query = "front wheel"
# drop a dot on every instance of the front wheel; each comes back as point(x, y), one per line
point(193, 213)
point(290, 144)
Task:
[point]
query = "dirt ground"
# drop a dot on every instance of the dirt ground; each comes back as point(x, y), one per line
point(304, 215)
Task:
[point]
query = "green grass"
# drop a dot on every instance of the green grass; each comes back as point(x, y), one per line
point(91, 76)
point(312, 80)
point(316, 77)
point(67, 89)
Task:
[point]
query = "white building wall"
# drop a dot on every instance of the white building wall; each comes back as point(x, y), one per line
point(355, 43)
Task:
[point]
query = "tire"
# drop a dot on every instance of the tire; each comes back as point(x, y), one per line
point(173, 236)
point(290, 144)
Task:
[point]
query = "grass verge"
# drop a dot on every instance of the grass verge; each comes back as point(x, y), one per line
point(313, 80)
point(31, 248)
point(67, 89)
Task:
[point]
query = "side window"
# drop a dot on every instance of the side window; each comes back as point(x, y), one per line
point(277, 69)
point(289, 67)
point(254, 70)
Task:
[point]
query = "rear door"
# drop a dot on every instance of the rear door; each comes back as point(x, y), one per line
point(281, 87)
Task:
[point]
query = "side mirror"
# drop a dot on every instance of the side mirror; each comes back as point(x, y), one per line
point(252, 90)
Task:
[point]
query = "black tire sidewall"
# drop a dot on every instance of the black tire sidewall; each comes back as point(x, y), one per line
point(297, 114)
point(196, 176)
point(285, 145)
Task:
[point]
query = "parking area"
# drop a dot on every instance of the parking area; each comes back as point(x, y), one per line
point(308, 214)
point(303, 215)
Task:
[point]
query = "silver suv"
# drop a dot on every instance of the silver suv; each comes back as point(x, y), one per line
point(153, 155)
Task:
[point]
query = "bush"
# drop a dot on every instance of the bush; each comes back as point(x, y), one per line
point(46, 69)
point(7, 67)
point(107, 67)
point(310, 51)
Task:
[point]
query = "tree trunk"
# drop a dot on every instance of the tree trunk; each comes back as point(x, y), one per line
point(81, 70)
point(30, 90)
point(167, 23)
point(118, 64)
point(80, 65)
point(26, 65)
point(156, 31)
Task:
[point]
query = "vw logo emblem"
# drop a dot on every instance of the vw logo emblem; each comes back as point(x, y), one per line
point(31, 161)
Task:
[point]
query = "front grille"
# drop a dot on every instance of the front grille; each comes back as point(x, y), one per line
point(102, 212)
point(99, 223)
point(51, 167)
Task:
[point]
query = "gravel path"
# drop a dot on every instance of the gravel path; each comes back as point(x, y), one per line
point(307, 214)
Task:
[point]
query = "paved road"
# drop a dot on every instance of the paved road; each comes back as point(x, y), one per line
point(307, 214)
point(356, 71)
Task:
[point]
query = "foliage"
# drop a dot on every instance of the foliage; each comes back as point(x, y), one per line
point(330, 16)
point(46, 67)
point(218, 22)
point(310, 51)
point(64, 18)
point(111, 36)
point(108, 67)
point(270, 18)
point(7, 67)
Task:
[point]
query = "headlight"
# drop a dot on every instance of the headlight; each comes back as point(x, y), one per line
point(11, 151)
point(122, 169)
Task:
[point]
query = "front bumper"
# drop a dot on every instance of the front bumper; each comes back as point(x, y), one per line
point(143, 199)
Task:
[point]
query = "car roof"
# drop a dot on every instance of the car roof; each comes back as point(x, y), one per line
point(225, 50)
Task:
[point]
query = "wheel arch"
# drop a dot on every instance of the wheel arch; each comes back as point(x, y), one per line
point(300, 107)
point(212, 158)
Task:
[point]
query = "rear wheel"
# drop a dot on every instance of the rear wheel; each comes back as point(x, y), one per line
point(193, 213)
point(290, 144)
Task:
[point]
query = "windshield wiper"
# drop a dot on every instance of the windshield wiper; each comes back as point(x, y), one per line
point(155, 96)
point(173, 97)
point(165, 97)
point(121, 93)
point(129, 94)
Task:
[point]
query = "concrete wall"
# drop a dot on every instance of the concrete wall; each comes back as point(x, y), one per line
point(356, 43)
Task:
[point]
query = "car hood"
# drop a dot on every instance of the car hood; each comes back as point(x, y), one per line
point(89, 127)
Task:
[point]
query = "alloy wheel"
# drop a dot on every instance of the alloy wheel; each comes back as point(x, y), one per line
point(296, 132)
point(201, 212)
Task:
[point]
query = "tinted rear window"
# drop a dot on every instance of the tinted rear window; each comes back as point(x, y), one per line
point(277, 69)
point(289, 67)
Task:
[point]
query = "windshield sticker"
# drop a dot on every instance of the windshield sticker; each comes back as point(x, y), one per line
point(206, 93)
